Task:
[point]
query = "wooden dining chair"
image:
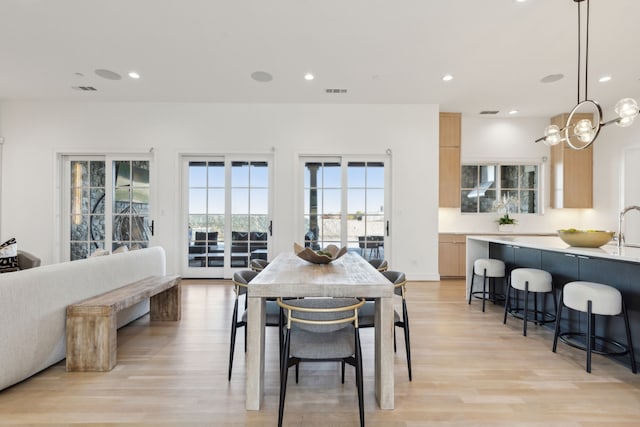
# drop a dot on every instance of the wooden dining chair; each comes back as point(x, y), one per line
point(321, 329)
point(367, 313)
point(241, 282)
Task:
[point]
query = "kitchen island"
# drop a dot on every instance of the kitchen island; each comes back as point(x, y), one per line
point(617, 267)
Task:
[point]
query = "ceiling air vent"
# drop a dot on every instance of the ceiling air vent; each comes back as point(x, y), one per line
point(489, 112)
point(84, 88)
point(335, 90)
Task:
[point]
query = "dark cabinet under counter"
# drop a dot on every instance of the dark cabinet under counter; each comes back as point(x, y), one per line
point(610, 266)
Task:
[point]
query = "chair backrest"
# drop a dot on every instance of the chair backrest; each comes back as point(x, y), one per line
point(321, 314)
point(379, 264)
point(241, 281)
point(398, 279)
point(258, 264)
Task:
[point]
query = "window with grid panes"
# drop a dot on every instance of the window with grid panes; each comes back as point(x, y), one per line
point(512, 187)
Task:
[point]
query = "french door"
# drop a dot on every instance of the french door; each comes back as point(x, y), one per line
point(106, 205)
point(345, 204)
point(227, 220)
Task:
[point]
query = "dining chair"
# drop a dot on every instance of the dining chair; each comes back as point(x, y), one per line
point(241, 282)
point(321, 329)
point(367, 313)
point(379, 264)
point(258, 264)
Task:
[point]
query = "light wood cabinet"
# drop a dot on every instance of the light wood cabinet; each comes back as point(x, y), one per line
point(452, 249)
point(449, 176)
point(571, 171)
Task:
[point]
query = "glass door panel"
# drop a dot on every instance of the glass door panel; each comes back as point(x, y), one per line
point(130, 208)
point(206, 214)
point(366, 201)
point(250, 211)
point(322, 205)
point(86, 208)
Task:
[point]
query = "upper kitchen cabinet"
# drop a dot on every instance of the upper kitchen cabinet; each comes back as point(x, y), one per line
point(571, 171)
point(450, 137)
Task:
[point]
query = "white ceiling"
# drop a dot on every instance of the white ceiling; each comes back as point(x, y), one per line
point(381, 51)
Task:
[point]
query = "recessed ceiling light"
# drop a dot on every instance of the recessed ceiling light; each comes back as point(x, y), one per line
point(309, 76)
point(447, 77)
point(604, 79)
point(552, 78)
point(512, 112)
point(134, 75)
point(108, 74)
point(261, 76)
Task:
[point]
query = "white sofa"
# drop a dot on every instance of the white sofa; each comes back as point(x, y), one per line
point(33, 305)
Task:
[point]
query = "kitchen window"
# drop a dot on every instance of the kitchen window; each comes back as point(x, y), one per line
point(509, 188)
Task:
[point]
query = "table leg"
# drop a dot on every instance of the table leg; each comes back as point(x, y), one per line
point(384, 359)
point(256, 317)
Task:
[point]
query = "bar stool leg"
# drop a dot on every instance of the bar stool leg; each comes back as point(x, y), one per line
point(525, 313)
point(558, 318)
point(484, 288)
point(629, 343)
point(507, 303)
point(473, 277)
point(590, 331)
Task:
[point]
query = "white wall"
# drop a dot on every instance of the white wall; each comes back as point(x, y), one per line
point(609, 159)
point(35, 132)
point(494, 139)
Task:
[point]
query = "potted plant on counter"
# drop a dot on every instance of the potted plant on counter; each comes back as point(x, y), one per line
point(506, 224)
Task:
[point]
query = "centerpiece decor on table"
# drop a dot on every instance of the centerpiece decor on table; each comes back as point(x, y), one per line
point(505, 206)
point(322, 256)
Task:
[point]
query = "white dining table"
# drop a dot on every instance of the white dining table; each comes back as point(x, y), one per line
point(349, 276)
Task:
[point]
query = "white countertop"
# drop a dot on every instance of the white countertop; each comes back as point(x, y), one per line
point(554, 243)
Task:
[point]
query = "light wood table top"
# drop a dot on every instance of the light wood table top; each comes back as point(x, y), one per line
point(349, 276)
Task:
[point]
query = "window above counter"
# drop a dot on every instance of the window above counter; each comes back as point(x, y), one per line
point(503, 188)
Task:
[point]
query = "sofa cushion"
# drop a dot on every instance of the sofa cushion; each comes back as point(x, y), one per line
point(9, 256)
point(28, 260)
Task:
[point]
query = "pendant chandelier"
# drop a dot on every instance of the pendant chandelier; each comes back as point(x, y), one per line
point(581, 134)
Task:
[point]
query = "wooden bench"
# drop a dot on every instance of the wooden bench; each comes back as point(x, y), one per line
point(92, 323)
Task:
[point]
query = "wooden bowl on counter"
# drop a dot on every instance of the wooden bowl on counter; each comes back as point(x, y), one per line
point(585, 238)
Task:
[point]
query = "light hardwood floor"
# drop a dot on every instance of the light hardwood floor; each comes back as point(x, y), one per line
point(468, 370)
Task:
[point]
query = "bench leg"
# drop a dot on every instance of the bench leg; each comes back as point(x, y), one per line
point(167, 305)
point(91, 340)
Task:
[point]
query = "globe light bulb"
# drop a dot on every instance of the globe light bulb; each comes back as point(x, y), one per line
point(627, 110)
point(583, 130)
point(552, 135)
point(625, 122)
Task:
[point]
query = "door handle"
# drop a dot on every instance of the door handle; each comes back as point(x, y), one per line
point(152, 227)
point(387, 228)
point(270, 228)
